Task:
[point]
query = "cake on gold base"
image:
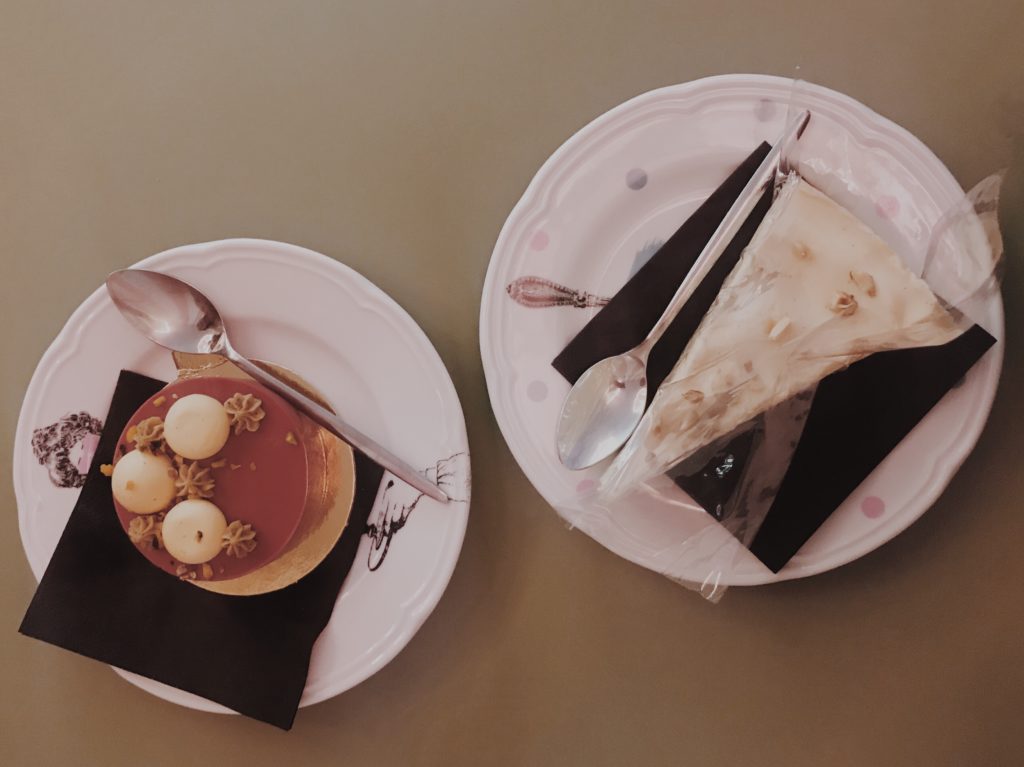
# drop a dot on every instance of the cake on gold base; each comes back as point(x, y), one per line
point(220, 482)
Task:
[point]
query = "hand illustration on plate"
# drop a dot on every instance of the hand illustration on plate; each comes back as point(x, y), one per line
point(398, 501)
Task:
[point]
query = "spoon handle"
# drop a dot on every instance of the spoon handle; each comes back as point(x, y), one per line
point(738, 213)
point(338, 427)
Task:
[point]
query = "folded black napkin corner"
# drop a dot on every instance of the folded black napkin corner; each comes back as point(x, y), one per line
point(857, 416)
point(101, 599)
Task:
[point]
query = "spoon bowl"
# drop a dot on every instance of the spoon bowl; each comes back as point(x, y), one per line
point(168, 311)
point(607, 404)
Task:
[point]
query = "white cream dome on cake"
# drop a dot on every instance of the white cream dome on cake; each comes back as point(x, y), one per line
point(143, 482)
point(196, 427)
point(193, 531)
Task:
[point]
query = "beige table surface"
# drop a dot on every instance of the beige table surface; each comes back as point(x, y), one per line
point(397, 136)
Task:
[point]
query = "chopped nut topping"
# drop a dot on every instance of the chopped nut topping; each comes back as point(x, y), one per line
point(802, 252)
point(129, 485)
point(106, 469)
point(194, 481)
point(779, 328)
point(290, 439)
point(843, 304)
point(236, 466)
point(147, 433)
point(185, 573)
point(245, 412)
point(239, 539)
point(130, 434)
point(219, 464)
point(206, 572)
point(146, 532)
point(865, 282)
point(159, 401)
point(695, 396)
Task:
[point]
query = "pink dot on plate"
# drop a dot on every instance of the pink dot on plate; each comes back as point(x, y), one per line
point(585, 486)
point(540, 240)
point(872, 507)
point(764, 110)
point(636, 179)
point(887, 206)
point(537, 391)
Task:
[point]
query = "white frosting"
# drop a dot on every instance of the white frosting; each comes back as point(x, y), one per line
point(196, 426)
point(814, 291)
point(192, 531)
point(143, 482)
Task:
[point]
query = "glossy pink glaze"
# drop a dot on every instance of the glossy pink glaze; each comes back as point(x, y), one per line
point(271, 498)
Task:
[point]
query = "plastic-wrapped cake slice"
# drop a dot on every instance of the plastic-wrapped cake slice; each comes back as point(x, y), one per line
point(814, 291)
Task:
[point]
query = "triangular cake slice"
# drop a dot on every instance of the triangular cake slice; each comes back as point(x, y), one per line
point(814, 291)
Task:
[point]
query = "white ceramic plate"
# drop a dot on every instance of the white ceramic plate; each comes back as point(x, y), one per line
point(606, 199)
point(353, 343)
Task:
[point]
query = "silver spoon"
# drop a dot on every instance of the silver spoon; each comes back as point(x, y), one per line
point(605, 405)
point(175, 315)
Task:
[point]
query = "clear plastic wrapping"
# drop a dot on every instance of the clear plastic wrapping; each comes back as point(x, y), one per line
point(816, 290)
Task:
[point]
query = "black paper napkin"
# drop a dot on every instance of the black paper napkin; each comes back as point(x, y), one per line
point(101, 599)
point(857, 417)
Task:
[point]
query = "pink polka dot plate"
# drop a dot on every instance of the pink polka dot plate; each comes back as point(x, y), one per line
point(607, 199)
